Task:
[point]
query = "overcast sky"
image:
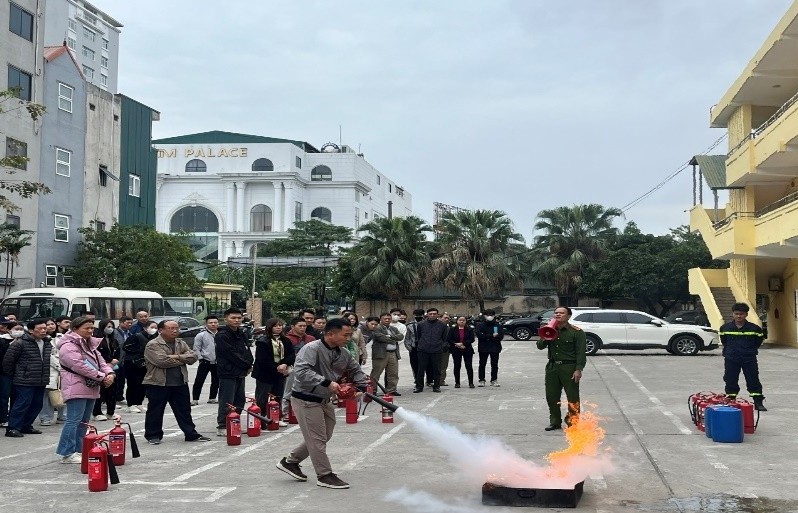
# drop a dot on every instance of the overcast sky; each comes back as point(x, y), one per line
point(517, 105)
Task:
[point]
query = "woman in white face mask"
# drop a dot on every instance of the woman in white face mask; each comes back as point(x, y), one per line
point(135, 367)
point(109, 348)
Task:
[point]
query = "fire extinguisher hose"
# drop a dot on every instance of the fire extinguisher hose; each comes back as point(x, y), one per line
point(111, 467)
point(134, 447)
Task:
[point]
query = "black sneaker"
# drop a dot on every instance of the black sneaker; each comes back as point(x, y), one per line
point(154, 441)
point(293, 470)
point(200, 438)
point(331, 481)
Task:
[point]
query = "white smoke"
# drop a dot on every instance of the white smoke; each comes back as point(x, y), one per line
point(481, 459)
point(423, 502)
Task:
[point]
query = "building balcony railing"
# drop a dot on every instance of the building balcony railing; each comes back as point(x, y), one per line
point(764, 126)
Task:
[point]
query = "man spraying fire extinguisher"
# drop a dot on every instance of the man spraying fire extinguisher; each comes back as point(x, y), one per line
point(317, 368)
point(741, 340)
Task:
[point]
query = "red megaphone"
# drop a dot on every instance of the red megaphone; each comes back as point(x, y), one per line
point(549, 331)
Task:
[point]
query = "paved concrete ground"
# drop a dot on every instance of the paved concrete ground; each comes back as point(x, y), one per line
point(662, 463)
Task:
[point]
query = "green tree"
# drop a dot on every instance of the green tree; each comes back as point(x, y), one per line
point(135, 257)
point(12, 164)
point(308, 238)
point(286, 297)
point(651, 269)
point(573, 238)
point(473, 254)
point(12, 241)
point(391, 259)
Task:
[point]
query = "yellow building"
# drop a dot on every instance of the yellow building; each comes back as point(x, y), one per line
point(757, 230)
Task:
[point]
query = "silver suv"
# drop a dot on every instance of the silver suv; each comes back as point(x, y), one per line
point(630, 329)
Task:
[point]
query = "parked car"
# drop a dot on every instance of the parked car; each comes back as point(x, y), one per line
point(524, 328)
point(629, 329)
point(189, 327)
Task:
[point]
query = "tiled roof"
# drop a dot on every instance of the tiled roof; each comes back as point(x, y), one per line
point(713, 167)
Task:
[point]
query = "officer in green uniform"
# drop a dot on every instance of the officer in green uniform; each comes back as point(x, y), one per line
point(567, 358)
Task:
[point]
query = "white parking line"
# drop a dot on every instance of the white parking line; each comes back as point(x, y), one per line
point(683, 429)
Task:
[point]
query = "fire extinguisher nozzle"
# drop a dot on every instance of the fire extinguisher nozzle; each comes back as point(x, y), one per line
point(381, 402)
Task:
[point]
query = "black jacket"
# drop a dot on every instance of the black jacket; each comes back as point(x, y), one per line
point(4, 343)
point(488, 343)
point(468, 340)
point(110, 350)
point(233, 357)
point(26, 364)
point(741, 342)
point(134, 349)
point(265, 368)
point(430, 336)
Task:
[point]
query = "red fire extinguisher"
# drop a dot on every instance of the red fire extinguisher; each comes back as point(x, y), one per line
point(253, 423)
point(88, 443)
point(352, 412)
point(369, 390)
point(117, 442)
point(273, 412)
point(233, 426)
point(749, 424)
point(291, 416)
point(387, 414)
point(101, 467)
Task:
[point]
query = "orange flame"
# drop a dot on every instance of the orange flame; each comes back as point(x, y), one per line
point(584, 436)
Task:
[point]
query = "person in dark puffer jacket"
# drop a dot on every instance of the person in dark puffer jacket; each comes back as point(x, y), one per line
point(28, 361)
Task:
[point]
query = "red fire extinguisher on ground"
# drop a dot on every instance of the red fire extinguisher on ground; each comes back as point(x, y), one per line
point(273, 413)
point(88, 443)
point(117, 442)
point(387, 413)
point(369, 390)
point(233, 426)
point(253, 423)
point(101, 466)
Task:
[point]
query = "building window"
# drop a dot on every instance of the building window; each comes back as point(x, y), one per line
point(297, 211)
point(357, 218)
point(322, 214)
point(65, 94)
point(99, 226)
point(21, 22)
point(194, 220)
point(61, 228)
point(196, 166)
point(263, 165)
point(134, 185)
point(103, 176)
point(299, 163)
point(71, 43)
point(88, 53)
point(104, 61)
point(390, 188)
point(105, 44)
point(321, 174)
point(20, 82)
point(89, 34)
point(62, 161)
point(66, 279)
point(18, 149)
point(50, 275)
point(13, 220)
point(73, 25)
point(378, 179)
point(260, 219)
point(104, 80)
point(88, 72)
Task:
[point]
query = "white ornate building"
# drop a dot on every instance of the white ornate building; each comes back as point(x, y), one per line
point(232, 191)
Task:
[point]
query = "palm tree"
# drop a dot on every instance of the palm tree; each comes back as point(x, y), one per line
point(391, 259)
point(473, 253)
point(12, 241)
point(573, 238)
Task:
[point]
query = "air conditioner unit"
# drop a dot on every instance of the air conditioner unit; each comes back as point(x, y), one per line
point(775, 284)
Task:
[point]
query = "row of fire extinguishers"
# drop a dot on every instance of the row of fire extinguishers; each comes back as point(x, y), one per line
point(347, 398)
point(101, 453)
point(700, 401)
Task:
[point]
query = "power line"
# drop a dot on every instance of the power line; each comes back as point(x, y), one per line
point(670, 177)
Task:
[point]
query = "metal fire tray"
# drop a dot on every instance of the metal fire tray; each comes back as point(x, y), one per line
point(497, 495)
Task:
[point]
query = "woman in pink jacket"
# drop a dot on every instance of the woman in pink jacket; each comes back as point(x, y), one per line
point(83, 372)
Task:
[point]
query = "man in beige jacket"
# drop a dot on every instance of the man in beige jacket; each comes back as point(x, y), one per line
point(166, 381)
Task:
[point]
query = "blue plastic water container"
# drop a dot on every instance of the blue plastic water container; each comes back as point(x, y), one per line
point(709, 413)
point(727, 425)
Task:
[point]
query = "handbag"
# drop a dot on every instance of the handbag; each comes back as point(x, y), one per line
point(56, 397)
